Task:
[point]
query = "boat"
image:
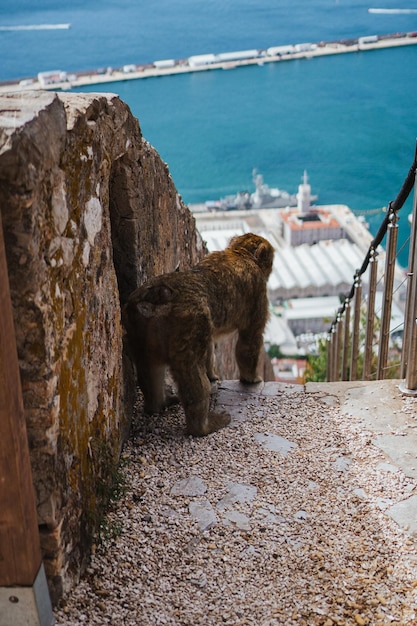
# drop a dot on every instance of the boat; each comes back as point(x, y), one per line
point(241, 201)
point(264, 197)
point(36, 27)
point(392, 11)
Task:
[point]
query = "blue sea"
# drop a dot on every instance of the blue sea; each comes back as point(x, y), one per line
point(349, 120)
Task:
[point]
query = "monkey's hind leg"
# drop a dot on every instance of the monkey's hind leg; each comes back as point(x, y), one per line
point(152, 382)
point(248, 349)
point(211, 364)
point(194, 389)
point(217, 419)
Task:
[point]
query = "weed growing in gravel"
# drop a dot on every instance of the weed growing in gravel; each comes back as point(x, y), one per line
point(111, 486)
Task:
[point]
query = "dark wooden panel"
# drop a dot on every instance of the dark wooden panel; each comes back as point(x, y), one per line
point(20, 557)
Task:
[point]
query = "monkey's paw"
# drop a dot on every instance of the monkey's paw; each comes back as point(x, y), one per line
point(217, 421)
point(213, 422)
point(155, 406)
point(252, 381)
point(171, 398)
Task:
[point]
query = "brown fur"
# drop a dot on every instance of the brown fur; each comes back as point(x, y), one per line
point(174, 319)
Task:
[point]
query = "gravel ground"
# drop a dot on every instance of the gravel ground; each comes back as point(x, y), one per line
point(278, 519)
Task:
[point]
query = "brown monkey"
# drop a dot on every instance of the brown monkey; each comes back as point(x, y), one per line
point(174, 319)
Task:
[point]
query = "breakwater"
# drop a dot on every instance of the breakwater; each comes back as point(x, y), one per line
point(58, 79)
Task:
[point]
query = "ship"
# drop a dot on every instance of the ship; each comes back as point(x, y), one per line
point(392, 11)
point(264, 197)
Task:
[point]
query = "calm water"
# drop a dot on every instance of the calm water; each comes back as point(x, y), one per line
point(350, 120)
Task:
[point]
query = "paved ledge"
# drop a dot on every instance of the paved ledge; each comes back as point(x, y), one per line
point(382, 410)
point(378, 408)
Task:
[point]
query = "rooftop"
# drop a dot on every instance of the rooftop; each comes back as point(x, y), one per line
point(317, 218)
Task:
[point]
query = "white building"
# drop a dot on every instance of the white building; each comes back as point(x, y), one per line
point(52, 77)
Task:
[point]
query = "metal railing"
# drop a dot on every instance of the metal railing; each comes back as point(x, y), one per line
point(359, 340)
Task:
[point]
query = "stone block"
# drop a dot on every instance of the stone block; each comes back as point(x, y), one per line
point(89, 212)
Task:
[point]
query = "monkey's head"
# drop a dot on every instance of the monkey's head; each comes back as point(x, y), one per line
point(257, 247)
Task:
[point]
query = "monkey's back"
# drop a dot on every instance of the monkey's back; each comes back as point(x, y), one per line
point(226, 291)
point(235, 288)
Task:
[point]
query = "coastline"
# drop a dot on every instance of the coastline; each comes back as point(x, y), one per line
point(63, 81)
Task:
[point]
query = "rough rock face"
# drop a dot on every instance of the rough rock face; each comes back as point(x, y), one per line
point(87, 207)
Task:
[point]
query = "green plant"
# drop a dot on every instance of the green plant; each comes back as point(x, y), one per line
point(110, 486)
point(316, 368)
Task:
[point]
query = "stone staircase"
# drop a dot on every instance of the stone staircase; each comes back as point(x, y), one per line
point(302, 512)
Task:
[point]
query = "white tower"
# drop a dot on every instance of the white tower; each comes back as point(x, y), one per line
point(304, 195)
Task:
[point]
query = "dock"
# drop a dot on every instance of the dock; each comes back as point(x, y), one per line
point(61, 80)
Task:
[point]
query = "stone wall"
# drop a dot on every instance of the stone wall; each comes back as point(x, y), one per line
point(87, 206)
point(89, 213)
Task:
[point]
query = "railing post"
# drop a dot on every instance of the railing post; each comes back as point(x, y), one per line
point(346, 341)
point(392, 236)
point(339, 341)
point(355, 330)
point(334, 352)
point(370, 316)
point(329, 357)
point(409, 354)
point(408, 316)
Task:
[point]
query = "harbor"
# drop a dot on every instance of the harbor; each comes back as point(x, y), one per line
point(60, 79)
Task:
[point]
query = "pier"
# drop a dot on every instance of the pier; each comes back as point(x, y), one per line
point(61, 80)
